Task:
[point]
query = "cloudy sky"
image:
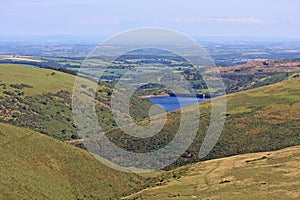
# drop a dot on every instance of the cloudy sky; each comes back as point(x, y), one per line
point(242, 18)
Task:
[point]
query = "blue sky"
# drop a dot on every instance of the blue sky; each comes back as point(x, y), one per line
point(242, 18)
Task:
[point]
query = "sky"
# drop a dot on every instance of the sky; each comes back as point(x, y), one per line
point(221, 18)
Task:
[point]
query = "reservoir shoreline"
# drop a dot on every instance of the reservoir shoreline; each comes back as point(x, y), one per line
point(202, 95)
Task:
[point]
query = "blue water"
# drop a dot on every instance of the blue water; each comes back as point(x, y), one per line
point(175, 103)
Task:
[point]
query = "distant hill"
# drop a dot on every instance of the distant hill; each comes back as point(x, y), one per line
point(253, 74)
point(260, 66)
point(267, 175)
point(258, 73)
point(34, 166)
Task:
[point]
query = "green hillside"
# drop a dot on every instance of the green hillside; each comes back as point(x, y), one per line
point(36, 81)
point(41, 100)
point(267, 175)
point(34, 166)
point(260, 119)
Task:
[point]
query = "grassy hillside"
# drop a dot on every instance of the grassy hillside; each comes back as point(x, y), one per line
point(267, 175)
point(34, 166)
point(260, 119)
point(38, 81)
point(40, 99)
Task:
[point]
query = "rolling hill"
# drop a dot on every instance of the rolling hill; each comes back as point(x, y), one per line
point(35, 166)
point(41, 99)
point(261, 119)
point(267, 175)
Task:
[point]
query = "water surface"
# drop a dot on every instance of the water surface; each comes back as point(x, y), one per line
point(174, 103)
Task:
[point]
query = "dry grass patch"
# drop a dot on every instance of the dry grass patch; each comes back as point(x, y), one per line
point(266, 175)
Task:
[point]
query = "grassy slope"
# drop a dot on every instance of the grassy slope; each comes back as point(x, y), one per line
point(34, 166)
point(261, 119)
point(44, 103)
point(257, 120)
point(267, 175)
point(42, 80)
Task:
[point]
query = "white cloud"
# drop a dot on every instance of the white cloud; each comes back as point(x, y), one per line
point(236, 20)
point(98, 22)
point(222, 20)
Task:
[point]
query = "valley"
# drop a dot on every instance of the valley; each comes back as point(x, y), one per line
point(39, 138)
point(149, 100)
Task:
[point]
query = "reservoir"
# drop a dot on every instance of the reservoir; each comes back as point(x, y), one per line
point(171, 103)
